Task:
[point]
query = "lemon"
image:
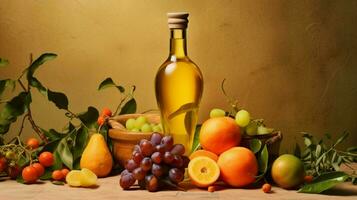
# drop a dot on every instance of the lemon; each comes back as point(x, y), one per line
point(88, 178)
point(73, 178)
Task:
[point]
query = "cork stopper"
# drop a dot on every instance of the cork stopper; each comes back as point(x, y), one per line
point(177, 20)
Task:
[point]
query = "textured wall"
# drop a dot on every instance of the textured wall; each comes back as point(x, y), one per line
point(290, 62)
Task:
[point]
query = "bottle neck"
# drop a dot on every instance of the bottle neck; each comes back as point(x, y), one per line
point(178, 43)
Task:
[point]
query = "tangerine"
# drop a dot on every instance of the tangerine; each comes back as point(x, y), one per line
point(238, 166)
point(219, 134)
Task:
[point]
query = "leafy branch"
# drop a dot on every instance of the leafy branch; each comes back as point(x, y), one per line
point(67, 145)
point(323, 160)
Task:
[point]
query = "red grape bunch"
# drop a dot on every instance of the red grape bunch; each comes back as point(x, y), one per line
point(155, 163)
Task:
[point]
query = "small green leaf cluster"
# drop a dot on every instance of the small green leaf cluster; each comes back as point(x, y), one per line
point(322, 159)
point(321, 156)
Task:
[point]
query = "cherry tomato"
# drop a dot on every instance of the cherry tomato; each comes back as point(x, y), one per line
point(3, 164)
point(32, 143)
point(29, 174)
point(39, 168)
point(266, 188)
point(14, 171)
point(57, 175)
point(101, 120)
point(106, 112)
point(308, 178)
point(65, 171)
point(46, 159)
point(10, 155)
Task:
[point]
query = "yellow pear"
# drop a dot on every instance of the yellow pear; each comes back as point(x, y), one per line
point(97, 157)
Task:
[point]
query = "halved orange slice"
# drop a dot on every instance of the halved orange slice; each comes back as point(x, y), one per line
point(203, 171)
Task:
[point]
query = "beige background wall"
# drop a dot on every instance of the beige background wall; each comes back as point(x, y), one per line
point(293, 63)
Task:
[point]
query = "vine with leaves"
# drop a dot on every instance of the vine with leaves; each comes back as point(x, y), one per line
point(67, 145)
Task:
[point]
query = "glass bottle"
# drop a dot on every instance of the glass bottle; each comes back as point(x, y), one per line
point(179, 86)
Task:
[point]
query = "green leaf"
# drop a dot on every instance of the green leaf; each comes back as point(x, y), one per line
point(183, 109)
point(13, 109)
point(23, 161)
point(47, 175)
point(57, 182)
point(341, 139)
point(307, 140)
point(39, 61)
point(77, 163)
point(263, 160)
point(108, 82)
point(318, 150)
point(58, 162)
point(255, 145)
point(3, 62)
point(89, 117)
point(38, 85)
point(58, 98)
point(5, 84)
point(52, 134)
point(129, 107)
point(196, 138)
point(65, 153)
point(324, 182)
point(52, 145)
point(80, 142)
point(19, 179)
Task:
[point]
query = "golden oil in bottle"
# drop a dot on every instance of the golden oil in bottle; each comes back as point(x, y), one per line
point(179, 86)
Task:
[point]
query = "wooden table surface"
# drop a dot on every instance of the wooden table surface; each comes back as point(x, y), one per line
point(109, 189)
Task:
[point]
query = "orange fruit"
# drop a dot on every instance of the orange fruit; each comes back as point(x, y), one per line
point(32, 143)
point(57, 175)
point(46, 159)
point(238, 166)
point(39, 168)
point(204, 153)
point(219, 134)
point(203, 171)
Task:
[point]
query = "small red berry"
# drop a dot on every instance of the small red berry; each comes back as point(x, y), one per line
point(101, 120)
point(106, 112)
point(308, 178)
point(266, 188)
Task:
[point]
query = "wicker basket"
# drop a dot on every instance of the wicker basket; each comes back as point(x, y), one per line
point(125, 140)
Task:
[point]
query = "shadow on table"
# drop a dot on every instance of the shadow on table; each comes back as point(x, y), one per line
point(342, 190)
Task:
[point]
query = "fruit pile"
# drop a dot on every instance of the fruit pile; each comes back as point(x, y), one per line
point(221, 155)
point(155, 163)
point(141, 124)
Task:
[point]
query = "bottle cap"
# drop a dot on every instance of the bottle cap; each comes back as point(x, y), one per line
point(177, 20)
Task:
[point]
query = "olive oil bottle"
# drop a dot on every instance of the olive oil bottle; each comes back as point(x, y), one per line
point(179, 86)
